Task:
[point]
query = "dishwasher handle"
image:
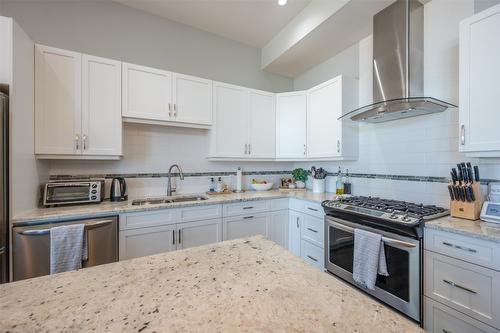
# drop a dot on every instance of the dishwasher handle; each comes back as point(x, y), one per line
point(39, 232)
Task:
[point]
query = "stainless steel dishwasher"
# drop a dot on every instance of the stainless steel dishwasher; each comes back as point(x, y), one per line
point(31, 246)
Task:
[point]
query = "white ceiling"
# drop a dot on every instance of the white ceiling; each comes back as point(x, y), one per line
point(252, 22)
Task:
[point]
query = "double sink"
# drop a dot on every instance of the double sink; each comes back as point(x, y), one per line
point(166, 200)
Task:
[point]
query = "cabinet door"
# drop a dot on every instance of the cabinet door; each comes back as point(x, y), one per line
point(479, 88)
point(147, 241)
point(192, 98)
point(229, 133)
point(291, 118)
point(324, 107)
point(278, 228)
point(245, 226)
point(199, 233)
point(261, 125)
point(101, 106)
point(295, 223)
point(147, 92)
point(57, 101)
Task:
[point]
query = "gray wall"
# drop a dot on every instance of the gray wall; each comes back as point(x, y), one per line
point(480, 5)
point(107, 29)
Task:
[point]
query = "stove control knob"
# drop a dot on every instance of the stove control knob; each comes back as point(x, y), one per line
point(337, 205)
point(393, 216)
point(406, 218)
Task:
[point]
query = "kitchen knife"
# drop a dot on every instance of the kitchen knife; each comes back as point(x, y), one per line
point(469, 175)
point(465, 175)
point(476, 173)
point(467, 194)
point(454, 177)
point(464, 193)
point(452, 194)
point(459, 174)
point(471, 193)
point(456, 192)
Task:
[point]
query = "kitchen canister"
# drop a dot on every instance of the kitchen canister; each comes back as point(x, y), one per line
point(318, 185)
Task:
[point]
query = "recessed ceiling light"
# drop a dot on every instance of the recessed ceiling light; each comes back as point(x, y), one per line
point(282, 2)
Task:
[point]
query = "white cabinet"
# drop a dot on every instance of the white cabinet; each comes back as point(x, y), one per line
point(58, 108)
point(244, 123)
point(246, 226)
point(291, 125)
point(199, 233)
point(142, 242)
point(278, 228)
point(229, 132)
point(479, 88)
point(192, 99)
point(101, 106)
point(261, 125)
point(77, 105)
point(160, 97)
point(327, 136)
point(147, 93)
point(295, 222)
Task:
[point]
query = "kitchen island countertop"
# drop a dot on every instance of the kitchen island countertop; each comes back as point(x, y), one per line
point(242, 285)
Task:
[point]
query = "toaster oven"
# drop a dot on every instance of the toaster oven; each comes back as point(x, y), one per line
point(73, 192)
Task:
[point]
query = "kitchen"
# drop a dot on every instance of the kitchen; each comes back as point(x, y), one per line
point(120, 111)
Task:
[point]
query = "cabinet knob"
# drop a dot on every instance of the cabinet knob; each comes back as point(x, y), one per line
point(77, 142)
point(84, 138)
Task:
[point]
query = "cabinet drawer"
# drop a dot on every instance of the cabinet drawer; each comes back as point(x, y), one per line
point(200, 213)
point(279, 204)
point(439, 318)
point(246, 226)
point(468, 288)
point(313, 230)
point(243, 208)
point(149, 219)
point(312, 254)
point(307, 207)
point(473, 250)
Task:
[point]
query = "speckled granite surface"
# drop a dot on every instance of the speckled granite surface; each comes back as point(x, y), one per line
point(477, 229)
point(250, 285)
point(113, 208)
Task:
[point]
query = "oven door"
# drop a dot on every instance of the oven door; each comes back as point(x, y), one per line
point(65, 193)
point(401, 289)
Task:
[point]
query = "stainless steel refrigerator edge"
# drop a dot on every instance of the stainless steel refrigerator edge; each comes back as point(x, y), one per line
point(4, 188)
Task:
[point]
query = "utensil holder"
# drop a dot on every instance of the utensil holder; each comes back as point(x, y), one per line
point(468, 210)
point(318, 185)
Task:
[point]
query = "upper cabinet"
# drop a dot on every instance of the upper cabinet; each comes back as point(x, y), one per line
point(291, 125)
point(77, 105)
point(328, 137)
point(479, 89)
point(160, 97)
point(244, 123)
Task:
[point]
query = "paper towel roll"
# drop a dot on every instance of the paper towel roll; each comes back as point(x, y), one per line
point(238, 180)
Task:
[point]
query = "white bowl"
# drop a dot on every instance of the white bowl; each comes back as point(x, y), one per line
point(262, 187)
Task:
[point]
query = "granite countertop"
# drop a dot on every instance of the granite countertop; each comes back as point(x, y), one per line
point(108, 208)
point(250, 285)
point(477, 229)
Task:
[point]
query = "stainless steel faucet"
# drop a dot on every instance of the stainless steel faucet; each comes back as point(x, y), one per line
point(169, 184)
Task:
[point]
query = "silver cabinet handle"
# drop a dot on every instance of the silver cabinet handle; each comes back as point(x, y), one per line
point(313, 259)
point(248, 217)
point(462, 135)
point(305, 150)
point(173, 237)
point(175, 110)
point(460, 247)
point(77, 142)
point(313, 209)
point(453, 284)
point(84, 138)
point(312, 230)
point(298, 222)
point(248, 207)
point(338, 146)
point(446, 331)
point(169, 110)
point(180, 233)
point(249, 149)
point(246, 148)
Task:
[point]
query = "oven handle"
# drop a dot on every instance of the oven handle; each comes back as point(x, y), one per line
point(387, 240)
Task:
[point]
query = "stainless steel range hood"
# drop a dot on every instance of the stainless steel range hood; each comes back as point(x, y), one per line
point(398, 76)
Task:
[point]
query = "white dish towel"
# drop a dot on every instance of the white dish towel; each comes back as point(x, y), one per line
point(67, 248)
point(369, 258)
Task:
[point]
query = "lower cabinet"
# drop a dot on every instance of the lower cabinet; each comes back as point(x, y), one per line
point(199, 233)
point(312, 254)
point(295, 222)
point(278, 228)
point(246, 225)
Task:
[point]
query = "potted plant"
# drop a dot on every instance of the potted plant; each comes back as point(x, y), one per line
point(300, 177)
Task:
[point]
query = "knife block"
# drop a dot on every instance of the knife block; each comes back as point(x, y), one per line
point(468, 210)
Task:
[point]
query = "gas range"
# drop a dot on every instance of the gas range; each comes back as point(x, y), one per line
point(396, 216)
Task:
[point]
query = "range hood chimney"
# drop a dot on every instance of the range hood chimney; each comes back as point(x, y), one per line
point(398, 76)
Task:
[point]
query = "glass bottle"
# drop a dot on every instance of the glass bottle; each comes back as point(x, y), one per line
point(339, 185)
point(347, 183)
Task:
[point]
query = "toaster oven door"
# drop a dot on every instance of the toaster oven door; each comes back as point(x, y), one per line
point(66, 193)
